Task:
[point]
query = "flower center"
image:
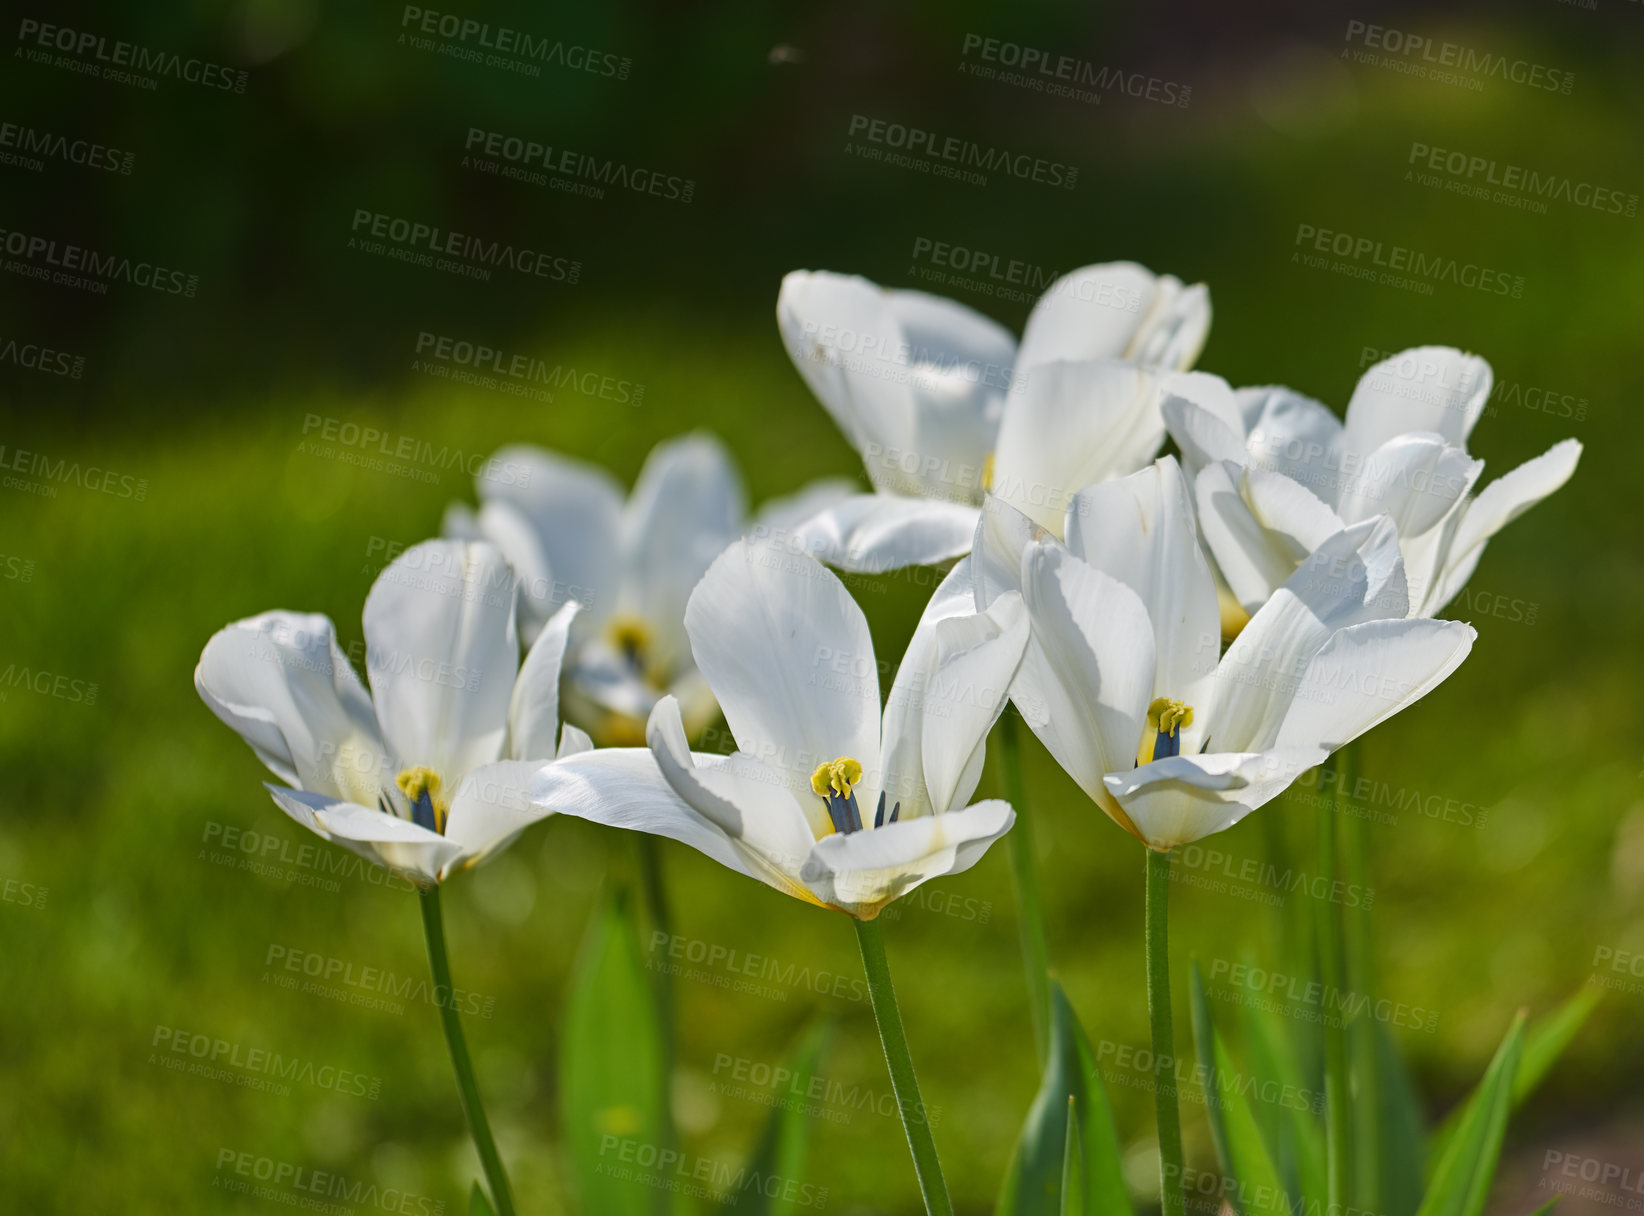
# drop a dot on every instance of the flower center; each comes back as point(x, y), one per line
point(834, 783)
point(1163, 734)
point(421, 787)
point(633, 639)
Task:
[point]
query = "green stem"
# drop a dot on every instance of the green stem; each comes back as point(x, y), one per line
point(899, 1059)
point(1338, 1129)
point(1172, 1198)
point(1030, 910)
point(434, 929)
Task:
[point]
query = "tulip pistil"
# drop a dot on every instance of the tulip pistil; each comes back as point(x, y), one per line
point(834, 782)
point(1162, 736)
point(421, 787)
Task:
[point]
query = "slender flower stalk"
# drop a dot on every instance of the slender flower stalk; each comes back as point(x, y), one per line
point(932, 1186)
point(1338, 1131)
point(1172, 1198)
point(1030, 910)
point(434, 929)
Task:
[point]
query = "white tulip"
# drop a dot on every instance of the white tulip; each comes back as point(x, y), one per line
point(943, 406)
point(1124, 681)
point(631, 563)
point(425, 775)
point(1275, 473)
point(827, 799)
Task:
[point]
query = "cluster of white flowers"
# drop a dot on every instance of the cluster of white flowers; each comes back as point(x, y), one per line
point(1185, 636)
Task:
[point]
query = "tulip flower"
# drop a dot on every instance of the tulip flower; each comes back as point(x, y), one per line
point(828, 798)
point(1274, 472)
point(425, 775)
point(943, 406)
point(630, 561)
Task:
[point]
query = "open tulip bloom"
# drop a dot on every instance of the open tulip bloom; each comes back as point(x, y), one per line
point(1275, 473)
point(828, 798)
point(944, 406)
point(629, 560)
point(427, 774)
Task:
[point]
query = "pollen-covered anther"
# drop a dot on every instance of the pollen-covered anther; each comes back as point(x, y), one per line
point(1162, 736)
point(987, 472)
point(833, 782)
point(631, 636)
point(421, 787)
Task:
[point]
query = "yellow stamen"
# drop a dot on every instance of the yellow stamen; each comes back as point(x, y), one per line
point(630, 635)
point(422, 785)
point(836, 777)
point(1165, 719)
point(987, 472)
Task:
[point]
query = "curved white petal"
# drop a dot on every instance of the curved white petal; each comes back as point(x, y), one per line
point(787, 652)
point(1202, 415)
point(977, 656)
point(1288, 433)
point(1087, 676)
point(779, 517)
point(491, 806)
point(1357, 575)
point(1505, 499)
point(622, 787)
point(396, 843)
point(1140, 530)
point(1117, 310)
point(575, 508)
point(506, 527)
point(1416, 479)
point(1067, 425)
point(573, 741)
point(686, 507)
point(442, 654)
point(1366, 673)
point(745, 799)
point(533, 709)
point(1259, 526)
point(875, 533)
point(1002, 536)
point(281, 681)
point(863, 871)
point(1427, 388)
point(1181, 799)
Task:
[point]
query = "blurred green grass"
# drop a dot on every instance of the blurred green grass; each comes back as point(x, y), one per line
point(108, 804)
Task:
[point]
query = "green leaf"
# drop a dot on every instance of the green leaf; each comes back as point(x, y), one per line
point(1387, 1113)
point(478, 1204)
point(1291, 1123)
point(1033, 1183)
point(1073, 1164)
point(1252, 1183)
point(1544, 1042)
point(1461, 1179)
point(612, 1088)
point(785, 1142)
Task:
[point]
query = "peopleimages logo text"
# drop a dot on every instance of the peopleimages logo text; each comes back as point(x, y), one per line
point(1372, 259)
point(1427, 53)
point(962, 153)
point(505, 41)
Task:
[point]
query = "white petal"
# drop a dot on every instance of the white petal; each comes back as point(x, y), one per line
point(1357, 575)
point(1117, 310)
point(787, 652)
point(490, 807)
point(533, 709)
point(506, 527)
point(442, 654)
point(778, 517)
point(303, 806)
point(1366, 673)
point(1087, 676)
point(398, 844)
point(1504, 500)
point(686, 507)
point(1203, 417)
point(863, 871)
point(1181, 799)
point(622, 787)
point(283, 683)
point(1294, 435)
point(1140, 530)
point(1002, 536)
point(573, 741)
point(1414, 478)
point(742, 797)
point(574, 508)
point(1068, 425)
point(977, 656)
point(1427, 388)
point(1258, 526)
point(876, 533)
